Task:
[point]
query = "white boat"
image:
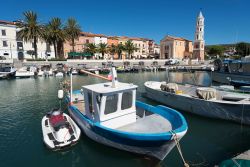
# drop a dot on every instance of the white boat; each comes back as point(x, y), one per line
point(25, 72)
point(7, 70)
point(203, 101)
point(109, 114)
point(59, 130)
point(59, 74)
point(74, 72)
point(40, 73)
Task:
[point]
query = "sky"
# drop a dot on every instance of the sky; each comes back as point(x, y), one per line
point(226, 21)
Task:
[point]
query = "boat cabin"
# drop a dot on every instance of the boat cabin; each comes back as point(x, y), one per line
point(112, 106)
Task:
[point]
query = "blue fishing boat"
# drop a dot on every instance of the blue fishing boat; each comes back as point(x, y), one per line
point(109, 114)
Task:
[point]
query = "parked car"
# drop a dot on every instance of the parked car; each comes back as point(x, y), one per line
point(172, 62)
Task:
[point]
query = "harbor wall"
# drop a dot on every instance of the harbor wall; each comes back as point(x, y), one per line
point(95, 63)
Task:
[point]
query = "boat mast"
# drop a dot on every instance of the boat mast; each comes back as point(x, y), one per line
point(114, 77)
point(71, 88)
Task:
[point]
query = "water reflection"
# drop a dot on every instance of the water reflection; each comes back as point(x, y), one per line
point(196, 78)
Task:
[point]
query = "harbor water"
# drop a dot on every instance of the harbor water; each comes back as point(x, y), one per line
point(23, 103)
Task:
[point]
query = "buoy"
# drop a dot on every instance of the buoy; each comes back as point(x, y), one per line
point(60, 94)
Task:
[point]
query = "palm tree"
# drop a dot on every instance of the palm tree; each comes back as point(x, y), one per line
point(72, 30)
point(55, 34)
point(112, 50)
point(119, 49)
point(31, 29)
point(129, 48)
point(91, 48)
point(102, 48)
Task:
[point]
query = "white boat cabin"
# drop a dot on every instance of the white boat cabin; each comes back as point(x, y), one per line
point(113, 107)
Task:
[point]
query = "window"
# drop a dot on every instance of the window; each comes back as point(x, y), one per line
point(5, 44)
point(90, 102)
point(197, 36)
point(3, 32)
point(87, 41)
point(111, 104)
point(200, 29)
point(127, 100)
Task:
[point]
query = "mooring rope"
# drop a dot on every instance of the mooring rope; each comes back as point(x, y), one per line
point(179, 148)
point(242, 114)
point(236, 163)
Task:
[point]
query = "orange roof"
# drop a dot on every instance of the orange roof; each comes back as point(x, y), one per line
point(88, 34)
point(176, 38)
point(6, 22)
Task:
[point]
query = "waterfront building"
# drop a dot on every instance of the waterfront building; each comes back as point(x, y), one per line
point(156, 51)
point(142, 50)
point(12, 47)
point(112, 41)
point(98, 39)
point(175, 48)
point(144, 46)
point(199, 43)
point(80, 43)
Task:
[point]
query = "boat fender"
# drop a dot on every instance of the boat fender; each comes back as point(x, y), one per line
point(60, 94)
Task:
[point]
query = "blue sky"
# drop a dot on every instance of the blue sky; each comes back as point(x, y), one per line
point(226, 21)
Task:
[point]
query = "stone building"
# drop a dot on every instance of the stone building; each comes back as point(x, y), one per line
point(175, 48)
point(199, 43)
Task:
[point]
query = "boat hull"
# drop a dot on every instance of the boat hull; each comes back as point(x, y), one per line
point(239, 113)
point(222, 77)
point(155, 149)
point(51, 141)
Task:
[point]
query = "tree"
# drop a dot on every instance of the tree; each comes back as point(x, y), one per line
point(55, 34)
point(102, 48)
point(31, 29)
point(243, 49)
point(112, 50)
point(216, 50)
point(129, 48)
point(119, 49)
point(91, 48)
point(73, 31)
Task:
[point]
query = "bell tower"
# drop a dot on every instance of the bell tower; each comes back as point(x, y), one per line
point(199, 43)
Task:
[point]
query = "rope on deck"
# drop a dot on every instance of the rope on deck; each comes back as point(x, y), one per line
point(179, 148)
point(236, 163)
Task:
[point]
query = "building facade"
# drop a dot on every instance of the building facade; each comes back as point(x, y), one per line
point(175, 48)
point(80, 43)
point(142, 48)
point(8, 40)
point(112, 41)
point(199, 43)
point(98, 39)
point(12, 47)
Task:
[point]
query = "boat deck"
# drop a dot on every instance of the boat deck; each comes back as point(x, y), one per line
point(80, 105)
point(150, 124)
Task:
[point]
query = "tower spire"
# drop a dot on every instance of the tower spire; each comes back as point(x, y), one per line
point(199, 42)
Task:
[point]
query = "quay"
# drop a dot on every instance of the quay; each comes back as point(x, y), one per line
point(199, 66)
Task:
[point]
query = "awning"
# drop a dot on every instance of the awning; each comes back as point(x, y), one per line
point(83, 54)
